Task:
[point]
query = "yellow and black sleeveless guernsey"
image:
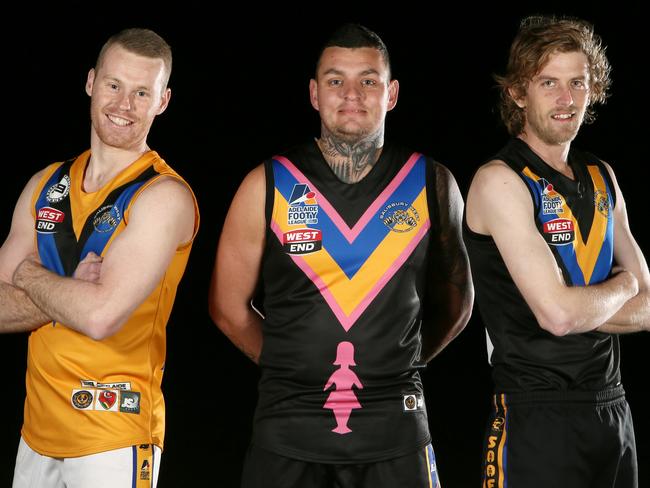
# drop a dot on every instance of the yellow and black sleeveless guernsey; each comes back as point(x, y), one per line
point(575, 217)
point(86, 396)
point(344, 275)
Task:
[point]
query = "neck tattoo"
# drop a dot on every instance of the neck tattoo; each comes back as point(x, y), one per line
point(351, 162)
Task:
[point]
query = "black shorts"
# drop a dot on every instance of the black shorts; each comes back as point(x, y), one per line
point(264, 469)
point(560, 439)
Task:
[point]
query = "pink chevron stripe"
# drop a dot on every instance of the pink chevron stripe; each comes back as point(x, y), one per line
point(348, 322)
point(351, 234)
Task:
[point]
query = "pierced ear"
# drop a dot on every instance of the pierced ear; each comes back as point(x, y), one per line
point(517, 97)
point(393, 92)
point(90, 81)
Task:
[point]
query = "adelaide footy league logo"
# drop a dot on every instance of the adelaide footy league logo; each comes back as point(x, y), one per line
point(552, 201)
point(303, 207)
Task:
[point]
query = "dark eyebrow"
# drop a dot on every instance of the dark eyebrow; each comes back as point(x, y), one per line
point(334, 71)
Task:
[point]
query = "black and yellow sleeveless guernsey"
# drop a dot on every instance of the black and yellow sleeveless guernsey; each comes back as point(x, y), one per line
point(548, 426)
point(343, 281)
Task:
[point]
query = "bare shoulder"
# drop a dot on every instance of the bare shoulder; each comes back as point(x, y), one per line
point(493, 172)
point(496, 178)
point(169, 204)
point(251, 194)
point(34, 180)
point(24, 201)
point(495, 183)
point(255, 180)
point(167, 191)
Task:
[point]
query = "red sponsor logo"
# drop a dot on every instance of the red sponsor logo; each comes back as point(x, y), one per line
point(49, 214)
point(558, 225)
point(302, 235)
point(107, 399)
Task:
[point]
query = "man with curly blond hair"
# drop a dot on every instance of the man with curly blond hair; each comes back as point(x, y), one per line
point(557, 273)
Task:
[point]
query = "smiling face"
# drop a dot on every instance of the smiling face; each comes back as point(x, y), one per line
point(352, 92)
point(127, 92)
point(556, 99)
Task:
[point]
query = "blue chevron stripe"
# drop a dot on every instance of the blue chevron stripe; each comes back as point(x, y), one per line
point(351, 256)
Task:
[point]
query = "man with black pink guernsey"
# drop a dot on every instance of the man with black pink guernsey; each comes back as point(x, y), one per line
point(357, 247)
point(97, 247)
point(558, 274)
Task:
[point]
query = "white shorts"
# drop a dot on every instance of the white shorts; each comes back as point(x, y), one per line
point(129, 467)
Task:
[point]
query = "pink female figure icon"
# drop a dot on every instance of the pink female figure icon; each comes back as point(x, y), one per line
point(342, 399)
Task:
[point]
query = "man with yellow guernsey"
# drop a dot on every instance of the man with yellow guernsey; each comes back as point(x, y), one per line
point(97, 247)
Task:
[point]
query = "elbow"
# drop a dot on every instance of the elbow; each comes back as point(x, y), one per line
point(101, 325)
point(218, 315)
point(557, 321)
point(461, 312)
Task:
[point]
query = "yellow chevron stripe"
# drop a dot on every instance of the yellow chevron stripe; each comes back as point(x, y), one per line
point(586, 252)
point(348, 293)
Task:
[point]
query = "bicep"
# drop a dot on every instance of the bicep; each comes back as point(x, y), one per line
point(241, 245)
point(160, 221)
point(450, 256)
point(509, 219)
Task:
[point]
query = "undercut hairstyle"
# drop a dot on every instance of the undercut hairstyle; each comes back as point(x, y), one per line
point(355, 36)
point(538, 38)
point(143, 42)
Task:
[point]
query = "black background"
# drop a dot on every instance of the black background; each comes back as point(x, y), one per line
point(239, 95)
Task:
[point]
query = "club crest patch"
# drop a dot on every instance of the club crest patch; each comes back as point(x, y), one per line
point(400, 217)
point(601, 202)
point(107, 218)
point(82, 399)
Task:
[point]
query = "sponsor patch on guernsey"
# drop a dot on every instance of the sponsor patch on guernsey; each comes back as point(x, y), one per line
point(559, 232)
point(302, 241)
point(120, 385)
point(412, 402)
point(130, 402)
point(47, 219)
point(106, 400)
point(83, 399)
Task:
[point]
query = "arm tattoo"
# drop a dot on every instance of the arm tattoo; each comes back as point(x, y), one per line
point(452, 256)
point(350, 161)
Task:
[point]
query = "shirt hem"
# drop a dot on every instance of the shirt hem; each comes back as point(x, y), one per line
point(90, 450)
